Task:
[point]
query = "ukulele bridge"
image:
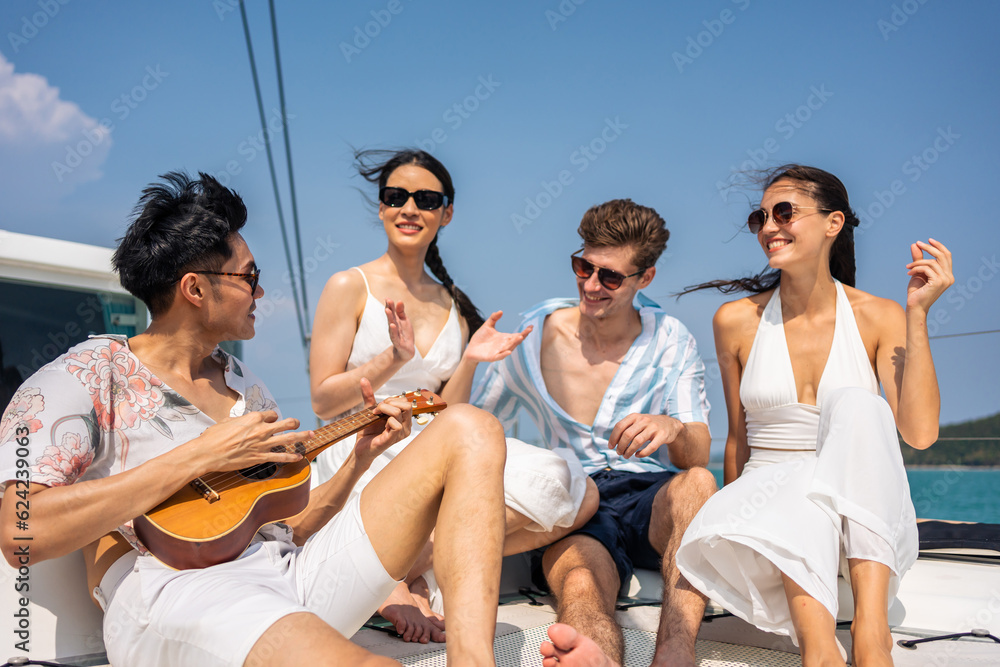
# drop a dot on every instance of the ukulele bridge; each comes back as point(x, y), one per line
point(205, 490)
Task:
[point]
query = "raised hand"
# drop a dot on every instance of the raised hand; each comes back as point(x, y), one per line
point(379, 436)
point(400, 331)
point(488, 344)
point(256, 437)
point(929, 278)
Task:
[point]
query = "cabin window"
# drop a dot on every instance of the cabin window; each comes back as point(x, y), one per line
point(40, 322)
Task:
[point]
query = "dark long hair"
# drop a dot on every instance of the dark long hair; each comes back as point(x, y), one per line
point(375, 166)
point(830, 194)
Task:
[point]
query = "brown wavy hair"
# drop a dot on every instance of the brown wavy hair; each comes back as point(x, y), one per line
point(622, 222)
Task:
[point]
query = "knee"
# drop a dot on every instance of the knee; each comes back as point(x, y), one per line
point(578, 581)
point(855, 401)
point(694, 486)
point(476, 432)
point(581, 585)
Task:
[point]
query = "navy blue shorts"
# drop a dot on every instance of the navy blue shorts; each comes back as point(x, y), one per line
point(621, 523)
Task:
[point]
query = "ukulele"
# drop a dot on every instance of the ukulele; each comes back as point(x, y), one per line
point(213, 518)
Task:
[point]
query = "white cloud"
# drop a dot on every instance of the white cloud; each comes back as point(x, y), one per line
point(48, 145)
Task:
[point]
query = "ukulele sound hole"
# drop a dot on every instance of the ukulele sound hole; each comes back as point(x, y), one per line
point(260, 471)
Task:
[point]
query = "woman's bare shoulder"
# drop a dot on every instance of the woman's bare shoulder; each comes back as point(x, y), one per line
point(343, 293)
point(871, 309)
point(737, 313)
point(348, 281)
point(880, 321)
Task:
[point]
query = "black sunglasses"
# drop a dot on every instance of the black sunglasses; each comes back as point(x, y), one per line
point(251, 278)
point(611, 280)
point(782, 213)
point(426, 200)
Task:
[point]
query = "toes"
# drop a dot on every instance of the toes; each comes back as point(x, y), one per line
point(563, 636)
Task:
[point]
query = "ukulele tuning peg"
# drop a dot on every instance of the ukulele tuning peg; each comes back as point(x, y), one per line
point(414, 403)
point(422, 419)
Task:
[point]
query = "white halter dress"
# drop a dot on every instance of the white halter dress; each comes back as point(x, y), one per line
point(540, 484)
point(824, 483)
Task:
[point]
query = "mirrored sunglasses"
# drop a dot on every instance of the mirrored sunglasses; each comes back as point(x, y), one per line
point(611, 280)
point(781, 212)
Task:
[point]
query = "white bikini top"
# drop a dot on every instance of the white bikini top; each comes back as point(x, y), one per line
point(775, 418)
point(420, 372)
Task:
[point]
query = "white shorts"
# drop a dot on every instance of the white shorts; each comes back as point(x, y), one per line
point(214, 616)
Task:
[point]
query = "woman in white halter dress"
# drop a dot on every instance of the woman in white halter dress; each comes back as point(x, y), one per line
point(821, 487)
point(426, 344)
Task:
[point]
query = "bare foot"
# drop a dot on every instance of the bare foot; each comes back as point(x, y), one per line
point(569, 647)
point(402, 611)
point(421, 593)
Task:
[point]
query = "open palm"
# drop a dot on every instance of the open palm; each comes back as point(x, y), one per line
point(488, 344)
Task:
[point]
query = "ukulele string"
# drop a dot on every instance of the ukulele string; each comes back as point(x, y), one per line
point(341, 428)
point(222, 481)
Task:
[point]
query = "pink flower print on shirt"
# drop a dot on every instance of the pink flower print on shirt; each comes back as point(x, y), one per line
point(62, 464)
point(124, 391)
point(128, 532)
point(256, 400)
point(26, 403)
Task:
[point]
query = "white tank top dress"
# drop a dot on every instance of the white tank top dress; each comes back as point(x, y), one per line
point(540, 484)
point(824, 483)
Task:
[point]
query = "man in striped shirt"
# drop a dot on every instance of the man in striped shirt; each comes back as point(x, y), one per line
point(614, 378)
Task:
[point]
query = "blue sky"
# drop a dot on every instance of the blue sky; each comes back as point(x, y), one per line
point(539, 110)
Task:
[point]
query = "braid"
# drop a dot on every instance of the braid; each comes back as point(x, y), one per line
point(466, 308)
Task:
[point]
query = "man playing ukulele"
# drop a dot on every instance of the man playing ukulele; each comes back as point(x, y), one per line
point(117, 425)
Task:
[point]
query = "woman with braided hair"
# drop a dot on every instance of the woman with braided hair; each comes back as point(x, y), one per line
point(393, 323)
point(815, 482)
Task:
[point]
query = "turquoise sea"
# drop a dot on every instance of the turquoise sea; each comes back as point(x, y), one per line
point(955, 493)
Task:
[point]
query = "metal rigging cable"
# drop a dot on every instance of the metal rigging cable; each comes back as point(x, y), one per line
point(967, 333)
point(288, 160)
point(299, 303)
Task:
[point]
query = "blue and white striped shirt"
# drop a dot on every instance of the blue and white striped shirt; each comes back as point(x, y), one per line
point(661, 374)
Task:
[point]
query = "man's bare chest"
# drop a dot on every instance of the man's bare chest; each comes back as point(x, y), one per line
point(575, 381)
